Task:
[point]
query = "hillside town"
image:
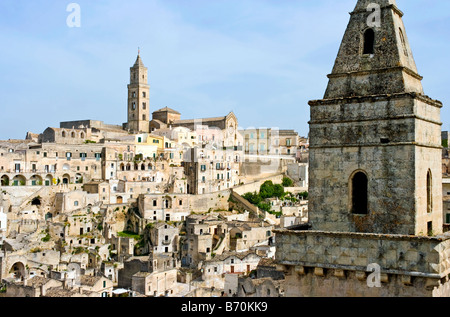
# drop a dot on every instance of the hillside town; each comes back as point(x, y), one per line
point(164, 206)
point(153, 207)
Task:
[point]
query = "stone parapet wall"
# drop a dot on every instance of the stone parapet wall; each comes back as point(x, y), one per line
point(395, 254)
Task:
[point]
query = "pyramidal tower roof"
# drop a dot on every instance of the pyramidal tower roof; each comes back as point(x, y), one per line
point(375, 56)
point(138, 62)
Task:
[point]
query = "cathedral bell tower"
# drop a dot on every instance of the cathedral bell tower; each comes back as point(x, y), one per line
point(138, 98)
point(375, 138)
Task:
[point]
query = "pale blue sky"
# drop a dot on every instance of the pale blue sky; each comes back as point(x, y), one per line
point(262, 59)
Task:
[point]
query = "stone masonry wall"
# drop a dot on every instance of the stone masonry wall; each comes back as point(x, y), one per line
point(396, 254)
point(336, 264)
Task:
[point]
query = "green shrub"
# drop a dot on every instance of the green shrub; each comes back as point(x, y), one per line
point(287, 182)
point(304, 195)
point(253, 198)
point(46, 238)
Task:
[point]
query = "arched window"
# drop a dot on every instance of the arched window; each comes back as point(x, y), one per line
point(369, 42)
point(64, 134)
point(429, 192)
point(359, 195)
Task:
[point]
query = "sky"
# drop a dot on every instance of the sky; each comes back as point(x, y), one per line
point(262, 59)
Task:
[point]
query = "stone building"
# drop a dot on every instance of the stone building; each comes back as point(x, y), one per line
point(446, 199)
point(211, 170)
point(375, 198)
point(164, 238)
point(239, 263)
point(270, 141)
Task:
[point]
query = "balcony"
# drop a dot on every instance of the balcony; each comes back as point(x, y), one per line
point(166, 242)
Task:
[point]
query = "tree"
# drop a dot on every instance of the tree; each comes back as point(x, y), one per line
point(287, 182)
point(278, 191)
point(304, 195)
point(253, 198)
point(266, 190)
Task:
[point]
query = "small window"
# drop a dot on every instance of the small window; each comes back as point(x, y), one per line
point(369, 42)
point(430, 228)
point(429, 192)
point(359, 195)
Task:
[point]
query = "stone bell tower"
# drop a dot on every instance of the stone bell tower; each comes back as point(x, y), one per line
point(375, 137)
point(375, 181)
point(138, 98)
